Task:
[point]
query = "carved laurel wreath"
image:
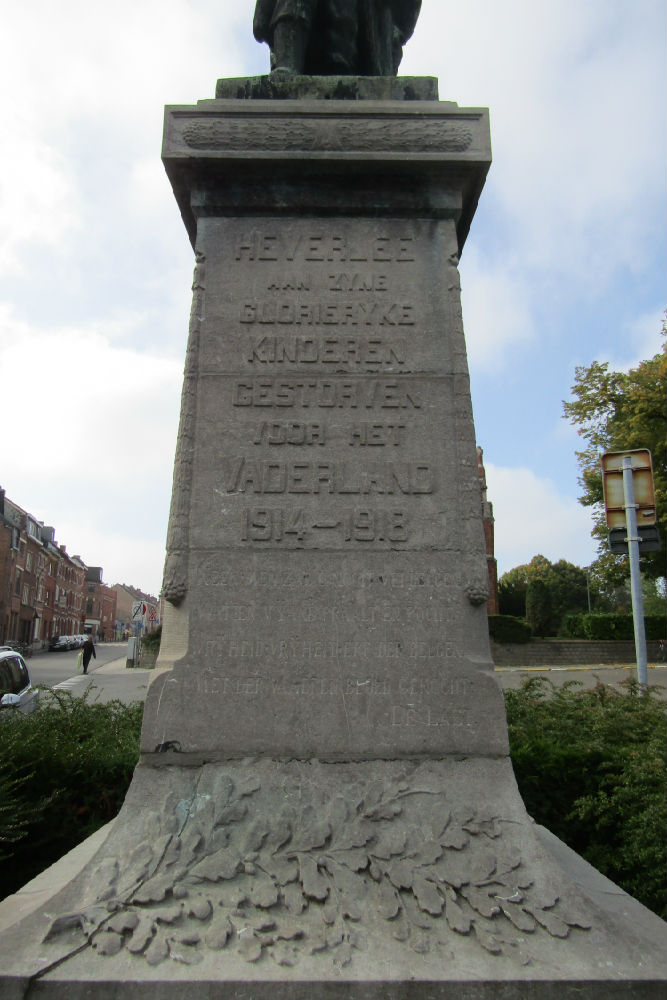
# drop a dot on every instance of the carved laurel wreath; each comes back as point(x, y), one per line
point(329, 135)
point(310, 878)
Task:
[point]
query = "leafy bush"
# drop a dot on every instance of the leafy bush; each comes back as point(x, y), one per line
point(591, 766)
point(572, 626)
point(152, 639)
point(608, 626)
point(505, 628)
point(613, 626)
point(656, 626)
point(64, 772)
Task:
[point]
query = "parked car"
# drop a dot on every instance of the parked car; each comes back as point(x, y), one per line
point(59, 642)
point(16, 690)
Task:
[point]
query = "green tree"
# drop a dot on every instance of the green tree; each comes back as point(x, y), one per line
point(512, 585)
point(619, 411)
point(565, 582)
point(538, 607)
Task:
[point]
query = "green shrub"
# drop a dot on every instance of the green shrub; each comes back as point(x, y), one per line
point(505, 628)
point(617, 626)
point(656, 626)
point(572, 626)
point(591, 766)
point(64, 772)
point(152, 639)
point(608, 626)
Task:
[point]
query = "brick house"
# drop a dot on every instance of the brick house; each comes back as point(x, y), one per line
point(100, 605)
point(41, 586)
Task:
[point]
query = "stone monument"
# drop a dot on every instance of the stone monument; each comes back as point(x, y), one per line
point(325, 805)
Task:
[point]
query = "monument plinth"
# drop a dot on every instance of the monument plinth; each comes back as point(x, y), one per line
point(325, 805)
point(331, 549)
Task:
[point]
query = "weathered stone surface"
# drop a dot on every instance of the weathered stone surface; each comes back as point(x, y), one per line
point(334, 533)
point(347, 877)
point(281, 87)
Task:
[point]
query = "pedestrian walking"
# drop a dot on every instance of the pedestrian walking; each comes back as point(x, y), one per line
point(88, 651)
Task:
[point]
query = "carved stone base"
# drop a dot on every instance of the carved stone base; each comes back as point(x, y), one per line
point(372, 879)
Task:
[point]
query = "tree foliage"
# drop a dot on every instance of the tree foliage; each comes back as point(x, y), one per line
point(538, 607)
point(563, 587)
point(620, 411)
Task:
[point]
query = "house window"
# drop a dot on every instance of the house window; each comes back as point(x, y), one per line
point(15, 538)
point(28, 562)
point(25, 599)
point(17, 589)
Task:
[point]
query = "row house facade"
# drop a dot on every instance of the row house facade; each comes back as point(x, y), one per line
point(100, 605)
point(42, 587)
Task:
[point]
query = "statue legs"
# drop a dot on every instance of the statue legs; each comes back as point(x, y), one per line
point(290, 29)
point(342, 36)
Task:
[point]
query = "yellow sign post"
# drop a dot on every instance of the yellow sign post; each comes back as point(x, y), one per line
point(629, 500)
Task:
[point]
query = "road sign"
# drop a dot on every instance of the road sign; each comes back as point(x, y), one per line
point(647, 535)
point(612, 486)
point(138, 611)
point(629, 500)
point(152, 613)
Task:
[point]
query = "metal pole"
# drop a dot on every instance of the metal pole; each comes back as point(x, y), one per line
point(635, 575)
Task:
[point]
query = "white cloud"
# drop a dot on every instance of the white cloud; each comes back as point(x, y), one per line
point(577, 123)
point(92, 439)
point(642, 340)
point(533, 516)
point(37, 194)
point(496, 311)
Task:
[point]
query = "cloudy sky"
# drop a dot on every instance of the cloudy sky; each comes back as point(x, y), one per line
point(565, 262)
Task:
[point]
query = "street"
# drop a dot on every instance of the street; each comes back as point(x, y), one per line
point(588, 677)
point(108, 678)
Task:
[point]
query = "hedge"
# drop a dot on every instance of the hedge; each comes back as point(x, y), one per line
point(505, 628)
point(599, 626)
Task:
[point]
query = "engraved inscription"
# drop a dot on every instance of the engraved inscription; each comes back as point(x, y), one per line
point(330, 351)
point(324, 393)
point(353, 525)
point(360, 282)
point(323, 247)
point(279, 433)
point(294, 313)
point(242, 475)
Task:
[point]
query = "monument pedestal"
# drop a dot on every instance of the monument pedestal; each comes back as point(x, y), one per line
point(325, 805)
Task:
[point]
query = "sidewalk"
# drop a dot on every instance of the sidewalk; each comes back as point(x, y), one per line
point(112, 681)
